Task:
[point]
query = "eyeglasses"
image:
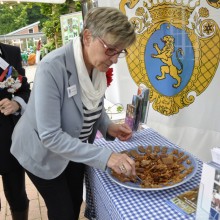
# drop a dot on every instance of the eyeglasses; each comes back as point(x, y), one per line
point(112, 51)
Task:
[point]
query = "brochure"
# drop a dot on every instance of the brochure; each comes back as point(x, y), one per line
point(143, 92)
point(186, 202)
point(208, 207)
point(130, 116)
point(137, 103)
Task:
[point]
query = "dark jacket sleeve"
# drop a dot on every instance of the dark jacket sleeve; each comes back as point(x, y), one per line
point(18, 62)
point(12, 55)
point(24, 90)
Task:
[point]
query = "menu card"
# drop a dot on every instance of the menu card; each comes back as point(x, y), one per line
point(208, 207)
point(185, 202)
point(215, 154)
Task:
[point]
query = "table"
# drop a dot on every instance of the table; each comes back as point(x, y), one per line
point(107, 200)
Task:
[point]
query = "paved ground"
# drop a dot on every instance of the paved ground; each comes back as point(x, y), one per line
point(38, 210)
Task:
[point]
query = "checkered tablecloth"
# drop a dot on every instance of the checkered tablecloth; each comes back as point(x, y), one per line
point(107, 200)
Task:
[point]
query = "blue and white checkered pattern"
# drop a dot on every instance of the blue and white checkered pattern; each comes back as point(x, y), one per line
point(112, 201)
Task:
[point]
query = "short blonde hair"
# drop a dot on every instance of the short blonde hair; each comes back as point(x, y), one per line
point(103, 21)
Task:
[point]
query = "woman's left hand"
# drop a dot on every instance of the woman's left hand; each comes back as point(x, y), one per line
point(8, 106)
point(121, 131)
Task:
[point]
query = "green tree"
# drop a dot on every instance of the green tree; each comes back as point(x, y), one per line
point(12, 19)
point(48, 14)
point(51, 27)
point(19, 15)
point(34, 15)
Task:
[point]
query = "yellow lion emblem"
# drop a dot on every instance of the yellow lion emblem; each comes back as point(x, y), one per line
point(165, 55)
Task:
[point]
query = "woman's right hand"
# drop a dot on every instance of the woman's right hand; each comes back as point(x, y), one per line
point(121, 163)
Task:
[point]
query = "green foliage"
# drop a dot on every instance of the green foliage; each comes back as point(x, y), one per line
point(20, 15)
point(51, 27)
point(120, 109)
point(34, 15)
point(78, 6)
point(48, 14)
point(12, 19)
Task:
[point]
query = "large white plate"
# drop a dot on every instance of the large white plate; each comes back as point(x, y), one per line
point(136, 186)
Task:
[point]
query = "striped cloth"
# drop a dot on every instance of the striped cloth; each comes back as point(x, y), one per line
point(90, 117)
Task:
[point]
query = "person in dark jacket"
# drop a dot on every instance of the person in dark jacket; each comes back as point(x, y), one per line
point(13, 99)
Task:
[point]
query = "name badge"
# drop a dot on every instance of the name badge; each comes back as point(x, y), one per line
point(3, 64)
point(71, 91)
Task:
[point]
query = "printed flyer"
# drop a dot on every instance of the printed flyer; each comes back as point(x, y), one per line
point(185, 202)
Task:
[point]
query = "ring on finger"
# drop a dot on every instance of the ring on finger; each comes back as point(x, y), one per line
point(122, 168)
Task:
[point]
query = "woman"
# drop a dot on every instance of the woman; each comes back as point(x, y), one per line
point(12, 104)
point(53, 140)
